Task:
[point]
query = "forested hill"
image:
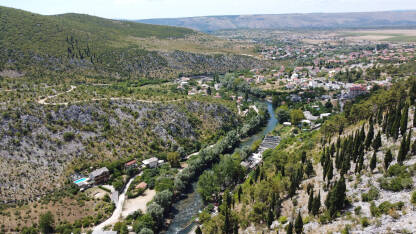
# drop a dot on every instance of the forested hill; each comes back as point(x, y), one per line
point(294, 21)
point(53, 34)
point(73, 42)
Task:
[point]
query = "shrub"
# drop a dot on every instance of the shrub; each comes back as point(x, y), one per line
point(324, 217)
point(365, 222)
point(282, 219)
point(69, 136)
point(357, 210)
point(372, 194)
point(375, 211)
point(413, 198)
point(396, 183)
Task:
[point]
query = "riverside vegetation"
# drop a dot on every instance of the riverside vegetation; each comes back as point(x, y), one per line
point(314, 181)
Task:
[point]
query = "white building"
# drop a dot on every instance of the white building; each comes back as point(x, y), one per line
point(151, 162)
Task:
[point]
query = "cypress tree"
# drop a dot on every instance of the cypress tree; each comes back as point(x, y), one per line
point(409, 139)
point(235, 228)
point(362, 134)
point(388, 158)
point(377, 142)
point(373, 161)
point(240, 191)
point(346, 165)
point(303, 157)
point(338, 159)
point(316, 204)
point(332, 150)
point(336, 197)
point(273, 201)
point(380, 116)
point(412, 93)
point(293, 185)
point(414, 118)
point(396, 123)
point(330, 172)
point(370, 136)
point(338, 143)
point(413, 150)
point(404, 119)
point(310, 202)
point(402, 151)
point(290, 228)
point(270, 217)
point(309, 168)
point(299, 224)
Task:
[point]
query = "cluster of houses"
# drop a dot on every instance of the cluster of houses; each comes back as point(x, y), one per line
point(102, 175)
point(333, 51)
point(202, 86)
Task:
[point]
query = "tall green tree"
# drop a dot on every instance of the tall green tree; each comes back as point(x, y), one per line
point(377, 142)
point(270, 217)
point(414, 118)
point(373, 161)
point(299, 224)
point(303, 156)
point(330, 171)
point(370, 136)
point(402, 151)
point(404, 120)
point(310, 201)
point(413, 149)
point(336, 197)
point(46, 223)
point(388, 158)
point(316, 204)
point(289, 229)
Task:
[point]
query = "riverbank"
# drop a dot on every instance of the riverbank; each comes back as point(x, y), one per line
point(192, 204)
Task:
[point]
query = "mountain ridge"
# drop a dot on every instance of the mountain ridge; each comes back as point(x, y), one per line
point(404, 18)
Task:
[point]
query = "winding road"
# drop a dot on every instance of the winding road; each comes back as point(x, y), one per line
point(117, 212)
point(43, 101)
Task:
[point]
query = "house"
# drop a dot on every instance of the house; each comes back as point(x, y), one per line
point(286, 124)
point(131, 164)
point(150, 162)
point(324, 115)
point(357, 90)
point(83, 183)
point(100, 175)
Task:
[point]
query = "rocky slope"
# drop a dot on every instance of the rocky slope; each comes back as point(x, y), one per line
point(41, 145)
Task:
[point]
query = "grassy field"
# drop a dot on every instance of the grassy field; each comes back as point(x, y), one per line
point(392, 35)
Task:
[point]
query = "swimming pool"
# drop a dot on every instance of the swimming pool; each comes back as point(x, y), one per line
point(80, 180)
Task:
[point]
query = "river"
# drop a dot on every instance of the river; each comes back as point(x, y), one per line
point(187, 208)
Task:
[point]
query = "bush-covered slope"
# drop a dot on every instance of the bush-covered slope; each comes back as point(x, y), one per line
point(36, 44)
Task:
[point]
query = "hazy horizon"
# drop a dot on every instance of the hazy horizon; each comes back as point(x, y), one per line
point(151, 9)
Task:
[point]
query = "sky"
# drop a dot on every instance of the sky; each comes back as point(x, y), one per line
point(146, 9)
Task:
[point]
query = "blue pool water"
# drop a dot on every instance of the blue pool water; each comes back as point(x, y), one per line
point(80, 180)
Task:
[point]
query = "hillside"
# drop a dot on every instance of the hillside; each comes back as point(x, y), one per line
point(38, 44)
point(294, 21)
